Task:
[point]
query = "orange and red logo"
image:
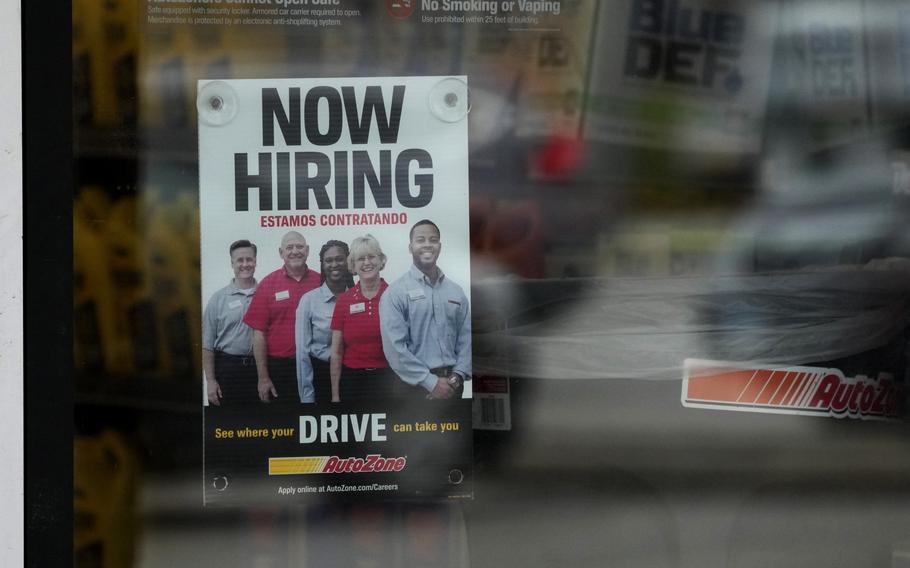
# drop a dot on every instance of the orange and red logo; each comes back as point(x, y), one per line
point(811, 391)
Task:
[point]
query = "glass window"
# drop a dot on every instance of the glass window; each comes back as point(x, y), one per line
point(664, 289)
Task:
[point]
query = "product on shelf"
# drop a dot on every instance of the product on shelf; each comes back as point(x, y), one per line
point(166, 258)
point(82, 65)
point(135, 341)
point(104, 497)
point(110, 31)
point(93, 318)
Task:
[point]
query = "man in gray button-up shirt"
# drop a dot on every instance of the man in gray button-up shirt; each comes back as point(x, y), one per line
point(227, 342)
point(426, 321)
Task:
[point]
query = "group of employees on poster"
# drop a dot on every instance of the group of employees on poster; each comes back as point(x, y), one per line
point(301, 335)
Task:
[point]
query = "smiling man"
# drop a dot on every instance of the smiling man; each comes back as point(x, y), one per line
point(426, 322)
point(271, 315)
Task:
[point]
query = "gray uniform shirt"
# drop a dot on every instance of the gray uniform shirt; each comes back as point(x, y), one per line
point(425, 326)
point(312, 336)
point(222, 321)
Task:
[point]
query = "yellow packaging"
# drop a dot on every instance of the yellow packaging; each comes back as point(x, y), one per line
point(83, 93)
point(93, 322)
point(168, 265)
point(113, 45)
point(135, 332)
point(104, 497)
point(94, 207)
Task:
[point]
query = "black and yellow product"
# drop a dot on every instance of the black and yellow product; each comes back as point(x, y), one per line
point(168, 266)
point(82, 64)
point(135, 348)
point(93, 206)
point(93, 318)
point(104, 496)
point(113, 47)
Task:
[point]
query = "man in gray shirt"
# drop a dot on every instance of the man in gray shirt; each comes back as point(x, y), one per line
point(425, 321)
point(227, 342)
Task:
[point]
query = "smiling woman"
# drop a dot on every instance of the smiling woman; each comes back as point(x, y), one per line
point(313, 335)
point(359, 368)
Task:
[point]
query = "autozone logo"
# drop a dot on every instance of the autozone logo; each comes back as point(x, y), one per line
point(372, 463)
point(811, 391)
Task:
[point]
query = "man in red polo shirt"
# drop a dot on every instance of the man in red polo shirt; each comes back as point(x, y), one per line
point(271, 315)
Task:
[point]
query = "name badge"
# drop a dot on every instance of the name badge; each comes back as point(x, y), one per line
point(357, 308)
point(283, 295)
point(415, 294)
point(235, 304)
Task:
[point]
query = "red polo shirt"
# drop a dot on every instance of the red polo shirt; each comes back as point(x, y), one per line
point(274, 307)
point(357, 318)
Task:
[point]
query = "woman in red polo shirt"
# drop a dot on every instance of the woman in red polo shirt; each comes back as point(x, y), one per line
point(359, 369)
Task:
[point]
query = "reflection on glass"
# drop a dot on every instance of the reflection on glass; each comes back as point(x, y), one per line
point(651, 181)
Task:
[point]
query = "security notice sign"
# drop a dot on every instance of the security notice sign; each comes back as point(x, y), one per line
point(335, 284)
